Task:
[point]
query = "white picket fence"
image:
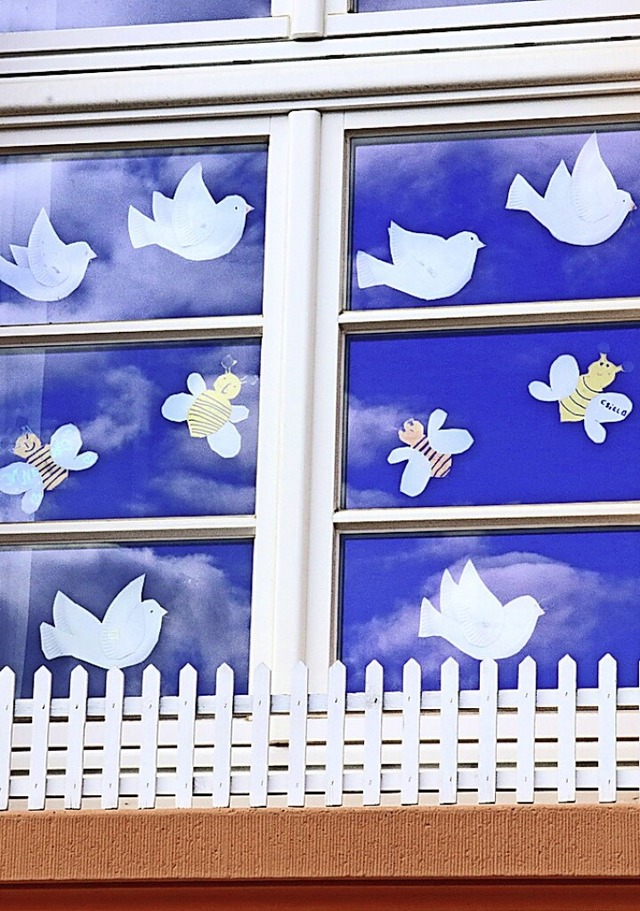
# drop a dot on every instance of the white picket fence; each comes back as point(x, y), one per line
point(402, 747)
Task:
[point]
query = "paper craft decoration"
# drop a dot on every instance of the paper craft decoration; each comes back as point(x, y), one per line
point(46, 269)
point(425, 266)
point(427, 455)
point(191, 225)
point(583, 208)
point(209, 412)
point(46, 466)
point(581, 397)
point(126, 635)
point(474, 621)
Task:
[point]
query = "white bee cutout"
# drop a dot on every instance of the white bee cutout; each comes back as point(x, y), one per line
point(427, 455)
point(46, 465)
point(581, 397)
point(209, 412)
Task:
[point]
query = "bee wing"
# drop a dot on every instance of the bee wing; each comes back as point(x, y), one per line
point(66, 443)
point(196, 384)
point(176, 407)
point(563, 378)
point(238, 413)
point(450, 441)
point(417, 472)
point(20, 477)
point(605, 408)
point(226, 441)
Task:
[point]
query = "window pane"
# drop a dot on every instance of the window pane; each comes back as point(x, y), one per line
point(163, 448)
point(205, 590)
point(31, 15)
point(465, 246)
point(504, 417)
point(587, 584)
point(132, 235)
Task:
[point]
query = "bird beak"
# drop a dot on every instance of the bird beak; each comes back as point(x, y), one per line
point(92, 255)
point(249, 208)
point(480, 245)
point(633, 206)
point(162, 611)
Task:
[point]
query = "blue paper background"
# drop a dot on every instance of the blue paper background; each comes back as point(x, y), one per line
point(444, 186)
point(588, 584)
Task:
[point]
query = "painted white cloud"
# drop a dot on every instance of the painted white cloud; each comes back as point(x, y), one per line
point(123, 410)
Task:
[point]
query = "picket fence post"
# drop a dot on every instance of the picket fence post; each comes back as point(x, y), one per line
point(488, 722)
point(261, 712)
point(336, 706)
point(607, 706)
point(7, 696)
point(148, 767)
point(567, 692)
point(449, 712)
point(78, 688)
point(526, 733)
point(410, 762)
point(40, 716)
point(222, 735)
point(298, 715)
point(187, 705)
point(112, 737)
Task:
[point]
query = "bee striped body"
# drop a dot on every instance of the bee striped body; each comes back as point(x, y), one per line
point(573, 407)
point(440, 463)
point(210, 411)
point(52, 475)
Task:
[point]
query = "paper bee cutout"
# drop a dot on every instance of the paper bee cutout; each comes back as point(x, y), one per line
point(581, 396)
point(427, 455)
point(45, 466)
point(209, 412)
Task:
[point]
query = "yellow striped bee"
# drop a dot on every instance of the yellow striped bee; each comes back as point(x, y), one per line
point(580, 396)
point(428, 455)
point(45, 466)
point(209, 412)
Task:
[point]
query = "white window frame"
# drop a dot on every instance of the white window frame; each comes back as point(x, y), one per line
point(327, 522)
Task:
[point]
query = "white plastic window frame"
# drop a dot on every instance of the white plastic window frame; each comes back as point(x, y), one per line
point(289, 237)
point(326, 520)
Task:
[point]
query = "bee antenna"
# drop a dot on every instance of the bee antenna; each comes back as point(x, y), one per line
point(627, 366)
point(228, 362)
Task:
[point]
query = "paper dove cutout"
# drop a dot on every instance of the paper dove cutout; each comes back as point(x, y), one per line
point(45, 466)
point(580, 396)
point(423, 265)
point(583, 208)
point(474, 621)
point(46, 269)
point(209, 412)
point(427, 455)
point(192, 224)
point(126, 635)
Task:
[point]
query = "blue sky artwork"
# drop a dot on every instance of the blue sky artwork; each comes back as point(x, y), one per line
point(586, 582)
point(19, 15)
point(445, 186)
point(87, 198)
point(521, 452)
point(147, 465)
point(204, 587)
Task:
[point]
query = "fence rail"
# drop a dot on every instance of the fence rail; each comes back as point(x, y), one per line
point(401, 747)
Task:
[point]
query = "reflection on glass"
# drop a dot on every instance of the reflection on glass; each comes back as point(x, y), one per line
point(174, 429)
point(205, 590)
point(570, 593)
point(504, 417)
point(495, 218)
point(132, 236)
point(32, 15)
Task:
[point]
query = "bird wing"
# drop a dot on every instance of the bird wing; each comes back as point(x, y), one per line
point(66, 443)
point(194, 209)
point(226, 441)
point(20, 255)
point(162, 208)
point(450, 441)
point(476, 609)
point(593, 188)
point(409, 246)
point(50, 260)
point(74, 620)
point(558, 190)
point(123, 625)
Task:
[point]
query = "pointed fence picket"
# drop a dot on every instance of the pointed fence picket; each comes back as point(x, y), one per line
point(259, 749)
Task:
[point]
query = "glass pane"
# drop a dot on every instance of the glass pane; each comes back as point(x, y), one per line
point(587, 584)
point(179, 232)
point(31, 15)
point(371, 6)
point(503, 417)
point(163, 447)
point(476, 219)
point(205, 590)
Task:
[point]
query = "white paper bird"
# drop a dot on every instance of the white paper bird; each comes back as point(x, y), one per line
point(46, 269)
point(45, 466)
point(583, 208)
point(127, 634)
point(473, 620)
point(425, 266)
point(427, 455)
point(192, 224)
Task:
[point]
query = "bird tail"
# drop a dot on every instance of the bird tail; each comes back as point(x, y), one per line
point(142, 230)
point(49, 641)
point(368, 270)
point(430, 620)
point(521, 196)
